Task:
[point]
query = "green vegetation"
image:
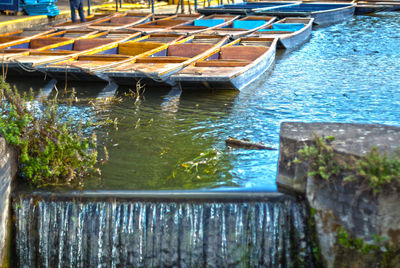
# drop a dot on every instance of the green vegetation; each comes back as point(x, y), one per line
point(207, 163)
point(51, 151)
point(313, 236)
point(374, 169)
point(320, 157)
point(380, 248)
point(377, 170)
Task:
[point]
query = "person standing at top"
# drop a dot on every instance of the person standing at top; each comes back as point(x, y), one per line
point(77, 5)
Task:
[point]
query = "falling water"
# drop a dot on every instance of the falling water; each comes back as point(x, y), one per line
point(73, 232)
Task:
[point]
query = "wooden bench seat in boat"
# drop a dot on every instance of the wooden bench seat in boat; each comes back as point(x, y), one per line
point(257, 41)
point(189, 27)
point(14, 50)
point(123, 20)
point(52, 52)
point(119, 34)
point(222, 63)
point(274, 32)
point(162, 59)
point(103, 57)
point(5, 39)
point(84, 44)
point(118, 21)
point(188, 50)
point(45, 41)
point(135, 48)
point(161, 39)
point(206, 39)
point(161, 23)
point(247, 53)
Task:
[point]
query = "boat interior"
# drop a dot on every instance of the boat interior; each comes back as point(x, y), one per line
point(76, 46)
point(238, 53)
point(65, 45)
point(124, 19)
point(151, 44)
point(179, 53)
point(35, 43)
point(245, 24)
point(167, 22)
point(211, 21)
point(161, 24)
point(73, 33)
point(282, 28)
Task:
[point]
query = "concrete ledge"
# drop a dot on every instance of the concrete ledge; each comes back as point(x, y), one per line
point(29, 22)
point(350, 140)
point(361, 212)
point(8, 168)
point(158, 195)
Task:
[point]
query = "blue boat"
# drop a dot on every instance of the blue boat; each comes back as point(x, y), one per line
point(242, 27)
point(243, 8)
point(291, 32)
point(323, 14)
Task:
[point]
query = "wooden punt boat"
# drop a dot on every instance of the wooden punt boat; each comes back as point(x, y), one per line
point(165, 23)
point(18, 37)
point(123, 21)
point(291, 32)
point(234, 66)
point(155, 70)
point(243, 8)
point(323, 14)
point(242, 26)
point(203, 24)
point(58, 38)
point(85, 65)
point(63, 51)
point(89, 20)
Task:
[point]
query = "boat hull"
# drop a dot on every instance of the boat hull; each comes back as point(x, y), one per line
point(244, 8)
point(295, 40)
point(325, 16)
point(236, 82)
point(290, 40)
point(72, 74)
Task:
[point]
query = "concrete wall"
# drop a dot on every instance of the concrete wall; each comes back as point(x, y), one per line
point(29, 22)
point(362, 213)
point(8, 169)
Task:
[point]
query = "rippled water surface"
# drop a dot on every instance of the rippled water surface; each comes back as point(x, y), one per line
point(346, 73)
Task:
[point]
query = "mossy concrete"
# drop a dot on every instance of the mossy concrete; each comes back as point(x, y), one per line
point(8, 169)
point(352, 206)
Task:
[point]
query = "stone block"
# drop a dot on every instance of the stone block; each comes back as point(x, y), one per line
point(360, 211)
point(8, 168)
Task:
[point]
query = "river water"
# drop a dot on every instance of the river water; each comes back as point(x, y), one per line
point(348, 72)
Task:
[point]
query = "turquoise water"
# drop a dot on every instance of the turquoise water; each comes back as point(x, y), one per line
point(348, 72)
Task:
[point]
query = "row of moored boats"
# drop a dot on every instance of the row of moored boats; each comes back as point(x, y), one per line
point(211, 51)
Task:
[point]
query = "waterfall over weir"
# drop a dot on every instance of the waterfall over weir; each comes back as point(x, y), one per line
point(115, 232)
